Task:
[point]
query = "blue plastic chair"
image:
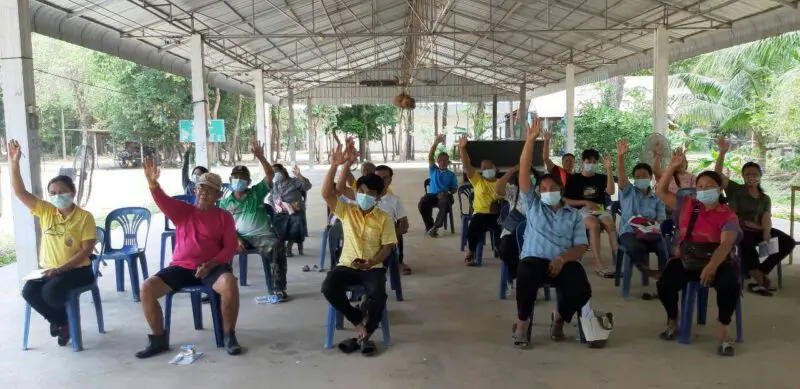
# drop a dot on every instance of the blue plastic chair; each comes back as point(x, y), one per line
point(243, 268)
point(73, 305)
point(465, 195)
point(624, 267)
point(130, 220)
point(195, 293)
point(426, 185)
point(695, 291)
point(520, 234)
point(169, 231)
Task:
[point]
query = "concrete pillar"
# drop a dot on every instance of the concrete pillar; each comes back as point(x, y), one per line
point(261, 117)
point(311, 141)
point(494, 117)
point(570, 85)
point(522, 111)
point(199, 101)
point(19, 102)
point(290, 129)
point(660, 79)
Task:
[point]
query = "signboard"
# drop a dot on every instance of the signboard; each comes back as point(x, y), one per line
point(185, 129)
point(216, 131)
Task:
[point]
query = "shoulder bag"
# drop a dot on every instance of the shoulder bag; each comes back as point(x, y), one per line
point(695, 255)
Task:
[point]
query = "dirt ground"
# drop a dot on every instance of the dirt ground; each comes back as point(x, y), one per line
point(450, 332)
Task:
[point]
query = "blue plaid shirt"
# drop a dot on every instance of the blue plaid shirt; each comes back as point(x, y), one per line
point(548, 234)
point(633, 203)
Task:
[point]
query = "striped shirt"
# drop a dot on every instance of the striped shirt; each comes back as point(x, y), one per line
point(548, 234)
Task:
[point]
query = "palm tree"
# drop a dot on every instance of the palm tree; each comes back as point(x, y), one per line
point(730, 89)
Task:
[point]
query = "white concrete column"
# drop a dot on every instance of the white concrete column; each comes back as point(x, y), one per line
point(261, 110)
point(660, 79)
point(199, 101)
point(570, 85)
point(522, 111)
point(19, 102)
point(310, 139)
point(290, 129)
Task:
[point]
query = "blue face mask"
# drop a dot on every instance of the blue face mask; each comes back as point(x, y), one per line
point(589, 167)
point(488, 173)
point(61, 201)
point(642, 183)
point(277, 177)
point(365, 201)
point(708, 196)
point(551, 198)
point(239, 185)
point(194, 178)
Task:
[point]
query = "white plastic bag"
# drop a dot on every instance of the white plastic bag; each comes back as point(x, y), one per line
point(596, 325)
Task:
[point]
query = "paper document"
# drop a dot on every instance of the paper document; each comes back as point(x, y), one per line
point(34, 275)
point(765, 249)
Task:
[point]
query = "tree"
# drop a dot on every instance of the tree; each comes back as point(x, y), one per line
point(600, 127)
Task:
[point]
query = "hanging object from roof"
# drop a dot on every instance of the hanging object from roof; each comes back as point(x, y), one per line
point(404, 101)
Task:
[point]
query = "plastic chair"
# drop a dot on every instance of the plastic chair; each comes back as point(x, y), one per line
point(695, 291)
point(243, 268)
point(73, 305)
point(520, 234)
point(130, 220)
point(169, 231)
point(427, 184)
point(624, 270)
point(465, 191)
point(197, 310)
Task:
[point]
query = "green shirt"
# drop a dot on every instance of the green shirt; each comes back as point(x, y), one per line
point(248, 212)
point(747, 207)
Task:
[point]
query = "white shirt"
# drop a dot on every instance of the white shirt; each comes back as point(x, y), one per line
point(392, 205)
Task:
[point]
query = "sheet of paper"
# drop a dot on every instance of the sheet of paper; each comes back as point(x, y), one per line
point(34, 275)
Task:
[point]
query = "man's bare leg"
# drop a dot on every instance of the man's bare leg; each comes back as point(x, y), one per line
point(611, 230)
point(228, 291)
point(153, 289)
point(593, 225)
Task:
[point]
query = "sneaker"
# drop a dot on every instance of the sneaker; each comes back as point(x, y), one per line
point(156, 344)
point(282, 296)
point(63, 335)
point(53, 330)
point(231, 344)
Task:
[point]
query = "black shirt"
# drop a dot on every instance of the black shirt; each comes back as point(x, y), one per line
point(580, 187)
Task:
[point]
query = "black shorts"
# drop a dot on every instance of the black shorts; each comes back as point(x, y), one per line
point(177, 277)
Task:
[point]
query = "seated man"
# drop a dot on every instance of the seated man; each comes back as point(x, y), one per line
point(567, 168)
point(252, 221)
point(367, 168)
point(369, 236)
point(554, 242)
point(588, 191)
point(440, 192)
point(485, 212)
point(204, 247)
point(393, 205)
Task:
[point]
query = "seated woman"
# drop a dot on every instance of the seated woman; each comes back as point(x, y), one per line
point(753, 207)
point(639, 201)
point(205, 243)
point(369, 237)
point(189, 182)
point(555, 239)
point(287, 201)
point(485, 210)
point(508, 187)
point(707, 232)
point(68, 237)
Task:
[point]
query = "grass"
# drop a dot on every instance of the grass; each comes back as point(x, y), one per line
point(779, 189)
point(7, 256)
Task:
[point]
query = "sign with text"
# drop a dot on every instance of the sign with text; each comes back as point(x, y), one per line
point(216, 131)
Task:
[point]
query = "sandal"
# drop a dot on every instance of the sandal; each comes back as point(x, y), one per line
point(669, 334)
point(469, 260)
point(649, 296)
point(605, 273)
point(725, 349)
point(305, 269)
point(759, 290)
point(520, 342)
point(348, 346)
point(405, 270)
point(368, 348)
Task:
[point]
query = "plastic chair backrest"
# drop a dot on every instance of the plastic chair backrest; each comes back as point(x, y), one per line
point(186, 199)
point(668, 228)
point(467, 191)
point(686, 192)
point(336, 241)
point(98, 249)
point(504, 212)
point(130, 220)
point(520, 236)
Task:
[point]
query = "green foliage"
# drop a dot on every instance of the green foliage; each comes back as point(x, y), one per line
point(600, 127)
point(366, 121)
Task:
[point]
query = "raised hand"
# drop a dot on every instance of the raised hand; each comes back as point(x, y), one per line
point(534, 129)
point(462, 142)
point(677, 158)
point(151, 171)
point(350, 154)
point(547, 134)
point(513, 170)
point(723, 145)
point(607, 162)
point(622, 147)
point(296, 171)
point(337, 156)
point(257, 148)
point(439, 139)
point(14, 152)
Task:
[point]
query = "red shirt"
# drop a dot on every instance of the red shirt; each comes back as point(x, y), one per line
point(710, 222)
point(200, 236)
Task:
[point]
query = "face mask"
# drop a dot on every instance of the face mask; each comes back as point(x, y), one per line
point(551, 198)
point(488, 174)
point(365, 201)
point(194, 178)
point(239, 185)
point(642, 183)
point(589, 167)
point(61, 201)
point(708, 196)
point(277, 177)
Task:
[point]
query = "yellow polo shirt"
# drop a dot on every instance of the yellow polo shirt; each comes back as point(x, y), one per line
point(484, 195)
point(364, 234)
point(62, 237)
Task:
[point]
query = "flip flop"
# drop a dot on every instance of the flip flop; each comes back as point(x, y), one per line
point(305, 269)
point(669, 334)
point(520, 342)
point(368, 348)
point(349, 346)
point(649, 296)
point(759, 290)
point(405, 270)
point(725, 350)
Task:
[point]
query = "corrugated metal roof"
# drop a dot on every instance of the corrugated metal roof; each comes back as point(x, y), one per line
point(315, 46)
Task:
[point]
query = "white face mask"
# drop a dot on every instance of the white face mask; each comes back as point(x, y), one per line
point(488, 173)
point(61, 201)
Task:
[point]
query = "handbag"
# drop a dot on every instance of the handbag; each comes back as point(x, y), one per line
point(515, 217)
point(695, 255)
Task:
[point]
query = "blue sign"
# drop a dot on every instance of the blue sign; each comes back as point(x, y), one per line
point(185, 127)
point(216, 131)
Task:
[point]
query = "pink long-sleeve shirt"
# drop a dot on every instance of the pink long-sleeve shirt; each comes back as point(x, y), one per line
point(200, 236)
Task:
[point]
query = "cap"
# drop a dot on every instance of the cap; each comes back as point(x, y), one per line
point(211, 180)
point(241, 169)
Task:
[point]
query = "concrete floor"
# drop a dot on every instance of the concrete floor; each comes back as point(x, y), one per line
point(451, 332)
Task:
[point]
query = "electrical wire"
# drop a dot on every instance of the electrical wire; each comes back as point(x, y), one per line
point(82, 82)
